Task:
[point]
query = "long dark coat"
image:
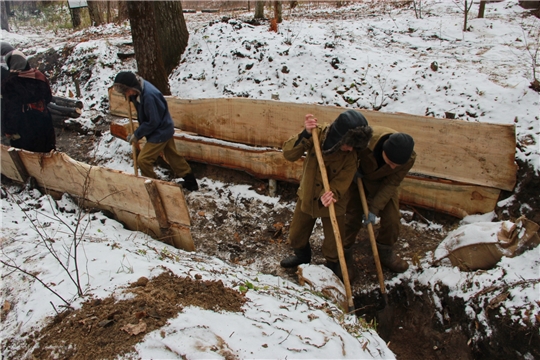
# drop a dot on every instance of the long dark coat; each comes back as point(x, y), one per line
point(25, 96)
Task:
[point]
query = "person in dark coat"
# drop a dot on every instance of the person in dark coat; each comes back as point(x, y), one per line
point(5, 48)
point(155, 123)
point(382, 167)
point(340, 142)
point(26, 120)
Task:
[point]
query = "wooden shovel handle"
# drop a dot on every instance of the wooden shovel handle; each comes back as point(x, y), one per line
point(133, 146)
point(372, 238)
point(335, 226)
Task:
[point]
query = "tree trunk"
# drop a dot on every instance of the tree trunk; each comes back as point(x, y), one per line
point(278, 11)
point(122, 12)
point(172, 30)
point(259, 10)
point(465, 12)
point(108, 11)
point(4, 17)
point(147, 45)
point(95, 13)
point(481, 9)
point(75, 17)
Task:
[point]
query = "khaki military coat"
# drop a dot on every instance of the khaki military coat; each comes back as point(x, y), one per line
point(381, 184)
point(340, 167)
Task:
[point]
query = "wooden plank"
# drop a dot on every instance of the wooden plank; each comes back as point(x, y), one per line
point(16, 158)
point(453, 198)
point(107, 189)
point(159, 209)
point(181, 235)
point(449, 149)
point(8, 167)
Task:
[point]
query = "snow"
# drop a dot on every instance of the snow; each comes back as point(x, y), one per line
point(383, 57)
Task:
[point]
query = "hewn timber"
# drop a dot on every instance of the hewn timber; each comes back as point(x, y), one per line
point(120, 193)
point(469, 152)
point(445, 196)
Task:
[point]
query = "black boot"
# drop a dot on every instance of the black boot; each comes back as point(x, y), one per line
point(189, 183)
point(336, 267)
point(301, 256)
point(390, 260)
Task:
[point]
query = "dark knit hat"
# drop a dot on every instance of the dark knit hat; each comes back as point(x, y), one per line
point(126, 80)
point(398, 148)
point(5, 48)
point(16, 61)
point(350, 128)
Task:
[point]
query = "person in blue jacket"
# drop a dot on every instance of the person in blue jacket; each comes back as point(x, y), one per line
point(156, 124)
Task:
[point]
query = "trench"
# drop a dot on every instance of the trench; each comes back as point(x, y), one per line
point(412, 328)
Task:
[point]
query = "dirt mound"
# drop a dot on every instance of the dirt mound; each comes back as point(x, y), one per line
point(106, 328)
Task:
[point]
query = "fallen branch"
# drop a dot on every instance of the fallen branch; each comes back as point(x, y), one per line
point(36, 278)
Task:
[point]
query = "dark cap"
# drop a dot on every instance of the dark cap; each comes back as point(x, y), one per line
point(398, 148)
point(350, 128)
point(126, 80)
point(16, 61)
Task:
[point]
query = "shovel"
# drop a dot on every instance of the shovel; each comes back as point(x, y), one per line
point(384, 316)
point(133, 146)
point(333, 219)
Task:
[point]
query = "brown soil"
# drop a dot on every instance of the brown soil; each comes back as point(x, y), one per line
point(106, 328)
point(250, 233)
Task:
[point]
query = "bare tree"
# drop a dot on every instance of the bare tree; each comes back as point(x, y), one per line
point(465, 7)
point(4, 18)
point(532, 44)
point(122, 11)
point(481, 9)
point(259, 10)
point(418, 8)
point(94, 11)
point(172, 34)
point(159, 37)
point(278, 11)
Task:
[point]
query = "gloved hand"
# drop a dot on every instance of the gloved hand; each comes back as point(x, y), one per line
point(132, 139)
point(358, 175)
point(370, 219)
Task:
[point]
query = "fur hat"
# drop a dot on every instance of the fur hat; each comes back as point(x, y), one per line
point(127, 80)
point(398, 148)
point(350, 128)
point(5, 48)
point(16, 61)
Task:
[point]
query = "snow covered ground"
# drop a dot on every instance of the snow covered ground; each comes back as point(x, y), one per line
point(359, 57)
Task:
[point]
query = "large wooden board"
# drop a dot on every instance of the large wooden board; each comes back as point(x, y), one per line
point(453, 198)
point(118, 192)
point(469, 152)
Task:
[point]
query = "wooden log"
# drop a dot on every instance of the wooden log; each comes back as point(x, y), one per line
point(122, 194)
point(72, 112)
point(454, 198)
point(449, 149)
point(67, 102)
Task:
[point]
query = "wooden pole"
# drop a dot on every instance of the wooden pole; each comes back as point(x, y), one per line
point(161, 215)
point(372, 241)
point(333, 219)
point(133, 146)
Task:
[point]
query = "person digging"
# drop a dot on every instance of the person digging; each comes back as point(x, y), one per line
point(382, 167)
point(155, 123)
point(349, 132)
